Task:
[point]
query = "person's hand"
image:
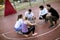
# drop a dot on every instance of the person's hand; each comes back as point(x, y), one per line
point(34, 18)
point(34, 24)
point(49, 14)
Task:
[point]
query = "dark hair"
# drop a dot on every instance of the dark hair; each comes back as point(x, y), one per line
point(29, 10)
point(20, 16)
point(26, 18)
point(41, 6)
point(48, 5)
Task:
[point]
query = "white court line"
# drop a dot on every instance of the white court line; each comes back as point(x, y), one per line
point(33, 37)
point(58, 38)
point(8, 32)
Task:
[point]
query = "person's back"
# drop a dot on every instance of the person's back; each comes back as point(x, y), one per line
point(54, 12)
point(24, 27)
point(43, 12)
point(19, 23)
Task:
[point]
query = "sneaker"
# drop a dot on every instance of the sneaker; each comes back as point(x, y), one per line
point(34, 34)
point(51, 26)
point(19, 32)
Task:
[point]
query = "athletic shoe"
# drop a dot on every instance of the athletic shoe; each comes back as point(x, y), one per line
point(34, 34)
point(51, 26)
point(19, 32)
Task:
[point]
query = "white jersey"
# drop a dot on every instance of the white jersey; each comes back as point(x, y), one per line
point(43, 12)
point(18, 23)
point(29, 15)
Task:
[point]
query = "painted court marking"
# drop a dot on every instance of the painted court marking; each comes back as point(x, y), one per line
point(31, 37)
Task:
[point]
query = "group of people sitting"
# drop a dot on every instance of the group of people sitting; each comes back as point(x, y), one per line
point(26, 24)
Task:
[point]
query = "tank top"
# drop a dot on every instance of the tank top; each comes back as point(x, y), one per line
point(24, 28)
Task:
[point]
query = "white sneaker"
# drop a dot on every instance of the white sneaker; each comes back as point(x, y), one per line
point(34, 34)
point(19, 32)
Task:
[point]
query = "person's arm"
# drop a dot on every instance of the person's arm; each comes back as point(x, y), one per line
point(46, 11)
point(40, 15)
point(29, 23)
point(49, 14)
point(33, 16)
point(26, 13)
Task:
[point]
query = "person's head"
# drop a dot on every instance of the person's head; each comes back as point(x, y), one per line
point(41, 7)
point(26, 18)
point(20, 16)
point(48, 6)
point(30, 10)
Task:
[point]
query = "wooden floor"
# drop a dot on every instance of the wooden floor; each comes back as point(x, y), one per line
point(7, 31)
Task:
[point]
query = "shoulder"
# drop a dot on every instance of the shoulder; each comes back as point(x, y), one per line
point(26, 12)
point(45, 8)
point(26, 22)
point(20, 19)
point(32, 13)
point(52, 9)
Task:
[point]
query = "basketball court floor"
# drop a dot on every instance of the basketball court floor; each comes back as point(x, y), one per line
point(7, 31)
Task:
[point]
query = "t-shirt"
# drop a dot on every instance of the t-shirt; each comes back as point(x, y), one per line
point(43, 12)
point(54, 12)
point(29, 15)
point(18, 23)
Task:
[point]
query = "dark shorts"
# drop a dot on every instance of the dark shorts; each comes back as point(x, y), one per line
point(44, 16)
point(31, 29)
